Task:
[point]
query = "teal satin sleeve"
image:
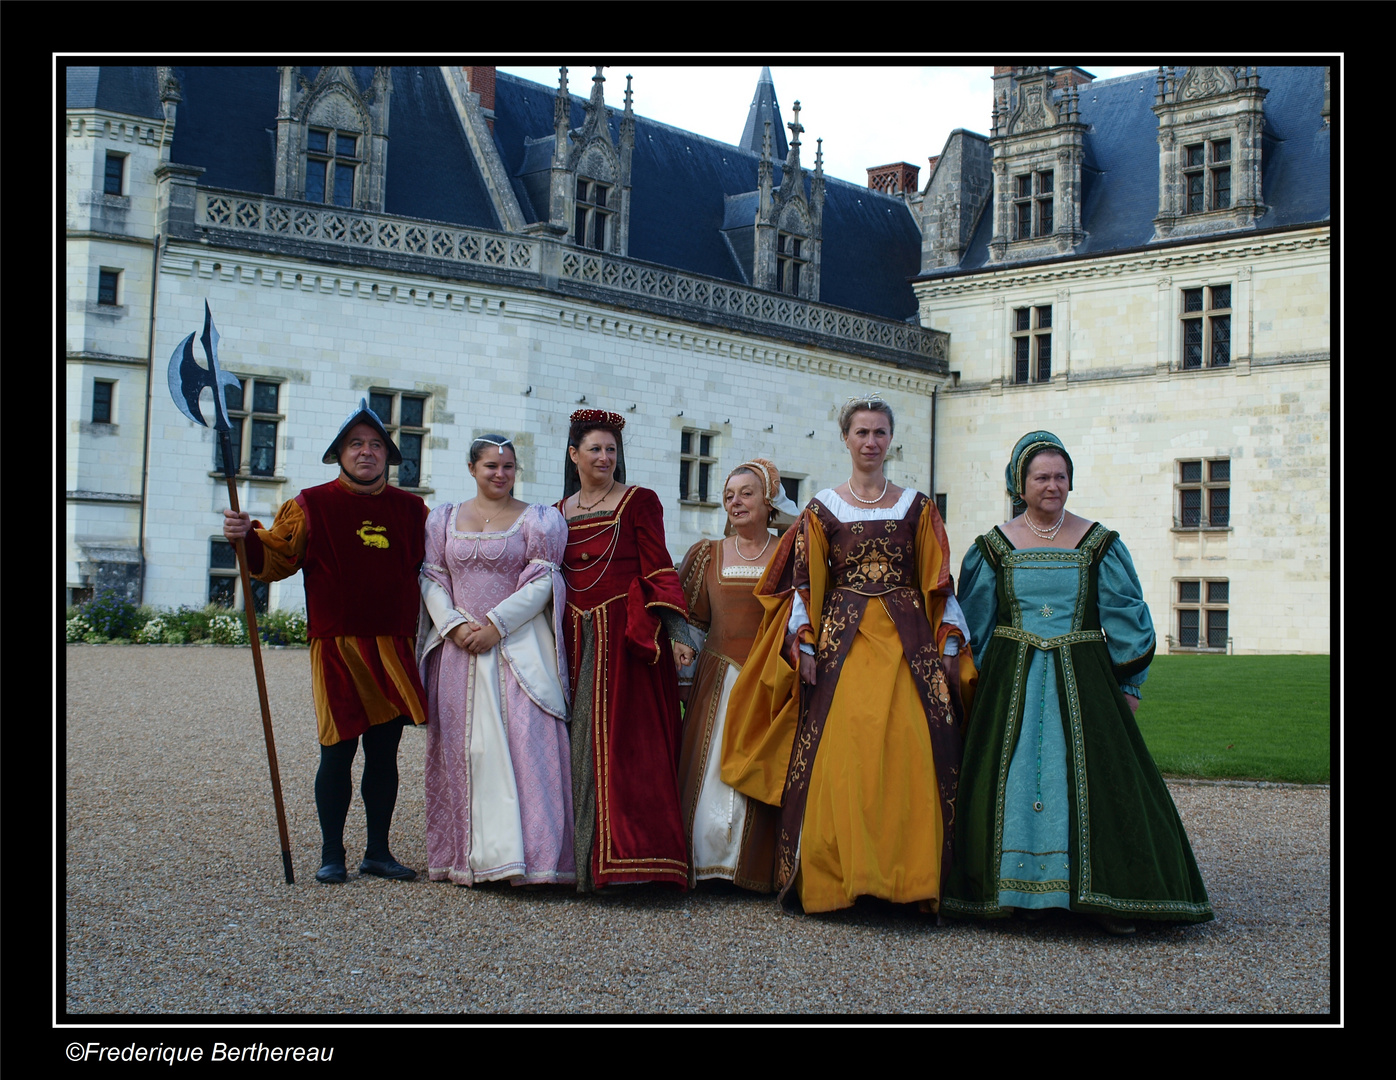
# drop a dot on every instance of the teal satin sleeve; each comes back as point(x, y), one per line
point(1125, 618)
point(977, 591)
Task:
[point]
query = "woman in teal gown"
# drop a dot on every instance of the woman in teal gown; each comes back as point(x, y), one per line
point(1060, 804)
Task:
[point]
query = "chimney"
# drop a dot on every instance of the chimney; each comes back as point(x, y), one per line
point(481, 81)
point(1070, 76)
point(895, 179)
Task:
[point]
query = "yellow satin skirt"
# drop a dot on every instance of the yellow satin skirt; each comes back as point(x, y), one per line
point(873, 824)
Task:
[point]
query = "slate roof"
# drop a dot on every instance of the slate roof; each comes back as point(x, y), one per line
point(1119, 176)
point(226, 123)
point(130, 90)
point(680, 183)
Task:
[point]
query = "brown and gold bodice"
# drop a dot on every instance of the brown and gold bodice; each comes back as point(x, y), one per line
point(872, 558)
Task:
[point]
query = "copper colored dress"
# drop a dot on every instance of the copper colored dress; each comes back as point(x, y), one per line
point(731, 835)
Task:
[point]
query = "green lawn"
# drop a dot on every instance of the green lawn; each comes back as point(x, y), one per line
point(1240, 717)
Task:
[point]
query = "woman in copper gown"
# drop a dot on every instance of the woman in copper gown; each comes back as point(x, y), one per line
point(862, 755)
point(731, 836)
point(623, 606)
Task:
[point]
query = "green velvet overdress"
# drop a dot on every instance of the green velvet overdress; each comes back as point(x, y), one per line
point(1060, 803)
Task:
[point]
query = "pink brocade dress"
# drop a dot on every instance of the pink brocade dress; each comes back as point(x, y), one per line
point(498, 775)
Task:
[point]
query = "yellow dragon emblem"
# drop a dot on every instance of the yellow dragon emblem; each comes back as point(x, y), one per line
point(363, 533)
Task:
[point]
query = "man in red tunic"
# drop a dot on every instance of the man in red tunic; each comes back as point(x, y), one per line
point(360, 544)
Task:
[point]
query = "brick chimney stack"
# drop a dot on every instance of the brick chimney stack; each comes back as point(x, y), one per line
point(481, 81)
point(895, 179)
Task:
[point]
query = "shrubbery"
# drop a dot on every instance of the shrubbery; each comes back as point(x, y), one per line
point(110, 618)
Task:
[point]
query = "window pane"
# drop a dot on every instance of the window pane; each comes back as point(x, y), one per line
point(106, 287)
point(704, 471)
point(794, 279)
point(315, 181)
point(263, 459)
point(1020, 360)
point(264, 396)
point(686, 443)
point(101, 402)
point(599, 195)
point(232, 397)
point(1044, 183)
point(1024, 186)
point(1221, 340)
point(1221, 296)
point(1044, 357)
point(1021, 316)
point(1192, 343)
point(1024, 221)
point(791, 484)
point(1219, 506)
point(222, 555)
point(1219, 471)
point(1190, 472)
point(111, 184)
point(261, 595)
point(409, 473)
point(235, 438)
point(318, 142)
point(220, 590)
point(1195, 193)
point(684, 467)
point(345, 144)
point(1221, 189)
point(1189, 592)
point(1218, 592)
point(1221, 150)
point(1187, 629)
point(1044, 317)
point(1194, 155)
point(582, 191)
point(412, 410)
point(1044, 217)
point(382, 404)
point(705, 446)
point(343, 184)
point(1192, 299)
point(1216, 629)
point(1190, 508)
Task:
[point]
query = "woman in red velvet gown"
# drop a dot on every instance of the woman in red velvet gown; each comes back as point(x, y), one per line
point(623, 604)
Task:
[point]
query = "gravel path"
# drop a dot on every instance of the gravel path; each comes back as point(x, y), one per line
point(175, 901)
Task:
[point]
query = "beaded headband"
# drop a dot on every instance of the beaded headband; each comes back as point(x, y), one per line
point(598, 418)
point(501, 443)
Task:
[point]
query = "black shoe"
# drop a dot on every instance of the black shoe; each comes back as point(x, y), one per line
point(387, 868)
point(332, 873)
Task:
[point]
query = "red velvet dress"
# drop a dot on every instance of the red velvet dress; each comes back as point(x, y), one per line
point(625, 727)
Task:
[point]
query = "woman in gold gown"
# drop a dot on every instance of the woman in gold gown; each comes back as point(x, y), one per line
point(862, 753)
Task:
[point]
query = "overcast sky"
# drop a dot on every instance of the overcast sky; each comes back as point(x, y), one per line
point(866, 116)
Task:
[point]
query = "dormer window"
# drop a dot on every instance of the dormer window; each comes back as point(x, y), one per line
point(1207, 169)
point(790, 260)
point(331, 159)
point(1033, 205)
point(592, 226)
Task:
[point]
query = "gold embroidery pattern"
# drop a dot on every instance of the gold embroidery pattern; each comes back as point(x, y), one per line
point(872, 563)
point(372, 541)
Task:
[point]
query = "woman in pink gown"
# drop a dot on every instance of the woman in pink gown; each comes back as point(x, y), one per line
point(498, 776)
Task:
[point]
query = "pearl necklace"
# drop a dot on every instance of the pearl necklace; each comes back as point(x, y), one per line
point(1046, 534)
point(737, 544)
point(868, 502)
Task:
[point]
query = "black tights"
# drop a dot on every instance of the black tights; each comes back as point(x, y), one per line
point(334, 789)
